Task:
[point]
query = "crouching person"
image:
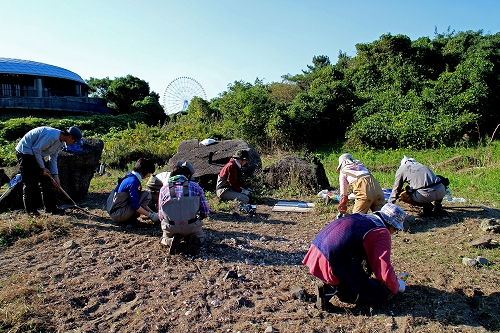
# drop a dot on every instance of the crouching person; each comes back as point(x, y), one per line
point(127, 201)
point(182, 206)
point(346, 253)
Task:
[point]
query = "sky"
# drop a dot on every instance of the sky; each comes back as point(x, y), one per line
point(218, 42)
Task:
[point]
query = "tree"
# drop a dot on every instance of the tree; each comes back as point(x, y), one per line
point(124, 91)
point(99, 87)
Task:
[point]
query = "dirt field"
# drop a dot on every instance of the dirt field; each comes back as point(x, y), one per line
point(114, 279)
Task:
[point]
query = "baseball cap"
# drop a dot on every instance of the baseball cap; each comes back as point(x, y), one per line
point(76, 134)
point(243, 154)
point(394, 215)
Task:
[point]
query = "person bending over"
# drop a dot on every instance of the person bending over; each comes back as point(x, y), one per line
point(128, 201)
point(346, 253)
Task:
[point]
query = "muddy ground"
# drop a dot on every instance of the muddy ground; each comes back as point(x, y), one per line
point(115, 279)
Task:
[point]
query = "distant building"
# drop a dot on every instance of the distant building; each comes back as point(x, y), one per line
point(29, 87)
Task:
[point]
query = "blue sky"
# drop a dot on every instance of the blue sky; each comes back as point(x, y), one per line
point(220, 41)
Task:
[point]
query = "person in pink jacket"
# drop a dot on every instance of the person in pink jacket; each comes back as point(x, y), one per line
point(367, 191)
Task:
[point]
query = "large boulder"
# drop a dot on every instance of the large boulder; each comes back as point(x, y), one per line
point(296, 171)
point(209, 160)
point(76, 169)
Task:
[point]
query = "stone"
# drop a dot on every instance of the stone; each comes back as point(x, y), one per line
point(483, 241)
point(490, 225)
point(298, 293)
point(269, 329)
point(76, 169)
point(208, 161)
point(482, 260)
point(295, 171)
point(69, 244)
point(231, 275)
point(469, 261)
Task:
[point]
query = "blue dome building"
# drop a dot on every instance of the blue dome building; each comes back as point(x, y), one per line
point(28, 87)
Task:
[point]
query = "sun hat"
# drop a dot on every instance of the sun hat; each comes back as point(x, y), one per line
point(394, 215)
point(242, 154)
point(407, 159)
point(344, 159)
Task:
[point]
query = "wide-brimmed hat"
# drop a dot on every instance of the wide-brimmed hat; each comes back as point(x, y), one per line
point(344, 159)
point(242, 154)
point(394, 215)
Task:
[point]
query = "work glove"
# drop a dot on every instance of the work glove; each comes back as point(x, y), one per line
point(154, 217)
point(402, 286)
point(245, 191)
point(342, 207)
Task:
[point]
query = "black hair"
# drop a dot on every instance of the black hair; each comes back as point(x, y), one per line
point(144, 166)
point(180, 170)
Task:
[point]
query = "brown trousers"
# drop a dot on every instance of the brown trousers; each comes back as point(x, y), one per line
point(368, 195)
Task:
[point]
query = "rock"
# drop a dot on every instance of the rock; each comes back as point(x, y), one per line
point(298, 293)
point(269, 329)
point(4, 179)
point(484, 241)
point(482, 260)
point(231, 275)
point(293, 170)
point(69, 244)
point(490, 225)
point(208, 161)
point(469, 261)
point(76, 169)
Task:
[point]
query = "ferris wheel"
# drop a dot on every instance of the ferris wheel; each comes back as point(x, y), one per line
point(179, 94)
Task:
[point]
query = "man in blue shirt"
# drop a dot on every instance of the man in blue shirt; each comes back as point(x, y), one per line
point(37, 154)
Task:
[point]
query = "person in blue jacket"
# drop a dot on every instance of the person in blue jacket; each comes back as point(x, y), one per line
point(128, 201)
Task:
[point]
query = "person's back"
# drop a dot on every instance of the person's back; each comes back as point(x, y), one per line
point(182, 205)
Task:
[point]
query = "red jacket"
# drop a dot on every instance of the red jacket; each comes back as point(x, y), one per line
point(230, 177)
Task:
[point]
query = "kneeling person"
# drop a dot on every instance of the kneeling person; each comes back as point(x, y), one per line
point(182, 206)
point(348, 250)
point(127, 201)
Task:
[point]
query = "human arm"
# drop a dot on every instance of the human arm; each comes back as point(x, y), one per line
point(343, 184)
point(377, 244)
point(398, 185)
point(204, 211)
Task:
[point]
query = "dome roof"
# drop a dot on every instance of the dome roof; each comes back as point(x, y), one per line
point(27, 67)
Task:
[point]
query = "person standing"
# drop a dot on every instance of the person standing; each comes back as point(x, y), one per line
point(182, 207)
point(230, 185)
point(128, 201)
point(367, 191)
point(346, 253)
point(37, 154)
point(424, 186)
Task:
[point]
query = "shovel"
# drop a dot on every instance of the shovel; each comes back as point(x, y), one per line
point(67, 195)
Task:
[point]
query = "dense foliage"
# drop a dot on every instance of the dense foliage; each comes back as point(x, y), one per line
point(395, 93)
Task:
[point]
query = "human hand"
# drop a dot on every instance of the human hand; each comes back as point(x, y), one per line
point(402, 286)
point(154, 217)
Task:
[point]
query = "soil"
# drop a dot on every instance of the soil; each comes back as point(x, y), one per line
point(97, 276)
